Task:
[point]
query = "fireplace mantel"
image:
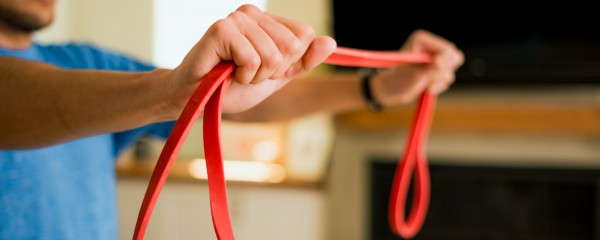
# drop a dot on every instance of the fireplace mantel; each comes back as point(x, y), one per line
point(571, 111)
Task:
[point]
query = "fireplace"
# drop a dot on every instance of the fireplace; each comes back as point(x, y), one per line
point(469, 203)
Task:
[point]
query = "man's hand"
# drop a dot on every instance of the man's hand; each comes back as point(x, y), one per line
point(263, 46)
point(403, 84)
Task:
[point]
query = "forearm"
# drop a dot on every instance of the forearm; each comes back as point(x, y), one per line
point(330, 93)
point(43, 105)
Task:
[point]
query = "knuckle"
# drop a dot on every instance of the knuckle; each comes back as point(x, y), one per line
point(452, 46)
point(441, 61)
point(291, 46)
point(441, 78)
point(420, 33)
point(248, 8)
point(252, 62)
point(443, 87)
point(450, 50)
point(305, 32)
point(221, 27)
point(236, 16)
point(273, 59)
point(461, 56)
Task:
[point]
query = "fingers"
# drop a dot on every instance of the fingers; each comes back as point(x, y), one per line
point(439, 79)
point(261, 45)
point(318, 51)
point(424, 41)
point(221, 36)
point(269, 57)
point(436, 77)
point(446, 59)
point(276, 44)
point(292, 38)
point(310, 55)
point(306, 34)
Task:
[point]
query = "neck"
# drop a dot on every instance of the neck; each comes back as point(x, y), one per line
point(14, 38)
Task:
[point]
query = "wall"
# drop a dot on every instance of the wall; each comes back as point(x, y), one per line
point(313, 12)
point(126, 28)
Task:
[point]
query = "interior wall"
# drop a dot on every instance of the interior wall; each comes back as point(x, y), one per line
point(122, 26)
point(61, 29)
point(313, 12)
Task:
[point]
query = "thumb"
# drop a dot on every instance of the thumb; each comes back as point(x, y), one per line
point(317, 52)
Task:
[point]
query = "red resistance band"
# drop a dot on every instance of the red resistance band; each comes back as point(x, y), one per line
point(208, 97)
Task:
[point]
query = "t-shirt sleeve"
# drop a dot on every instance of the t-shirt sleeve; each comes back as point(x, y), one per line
point(124, 140)
point(111, 60)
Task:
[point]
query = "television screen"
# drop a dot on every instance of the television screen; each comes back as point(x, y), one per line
point(504, 42)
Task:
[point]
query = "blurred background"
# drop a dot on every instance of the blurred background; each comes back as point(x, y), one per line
point(514, 150)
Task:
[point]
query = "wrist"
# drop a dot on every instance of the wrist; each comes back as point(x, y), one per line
point(166, 94)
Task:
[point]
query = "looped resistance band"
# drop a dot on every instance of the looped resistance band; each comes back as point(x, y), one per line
point(208, 97)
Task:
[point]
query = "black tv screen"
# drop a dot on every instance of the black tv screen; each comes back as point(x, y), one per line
point(505, 43)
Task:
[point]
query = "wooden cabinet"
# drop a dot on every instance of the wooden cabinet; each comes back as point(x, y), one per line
point(258, 211)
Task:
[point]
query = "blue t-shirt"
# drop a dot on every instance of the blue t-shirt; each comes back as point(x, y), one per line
point(67, 191)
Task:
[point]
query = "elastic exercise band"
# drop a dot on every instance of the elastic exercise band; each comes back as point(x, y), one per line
point(208, 96)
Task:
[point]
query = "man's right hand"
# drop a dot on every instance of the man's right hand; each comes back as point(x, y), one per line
point(263, 46)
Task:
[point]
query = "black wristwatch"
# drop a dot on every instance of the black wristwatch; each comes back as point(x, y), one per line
point(365, 83)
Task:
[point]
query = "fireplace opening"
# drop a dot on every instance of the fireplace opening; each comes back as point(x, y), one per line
point(496, 203)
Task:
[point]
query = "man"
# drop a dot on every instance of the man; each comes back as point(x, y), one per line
point(67, 115)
